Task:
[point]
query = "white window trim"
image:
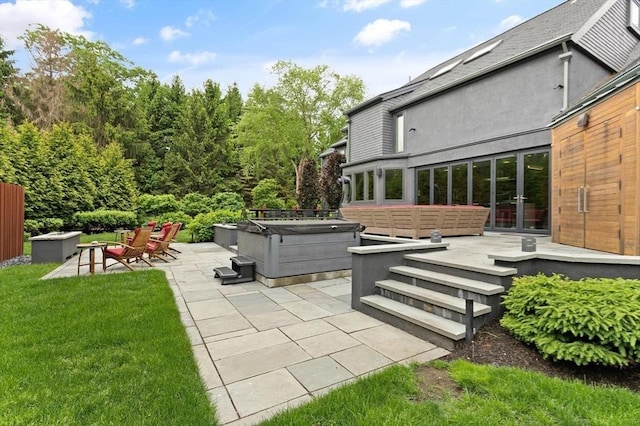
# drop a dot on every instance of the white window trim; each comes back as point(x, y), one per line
point(399, 145)
point(634, 17)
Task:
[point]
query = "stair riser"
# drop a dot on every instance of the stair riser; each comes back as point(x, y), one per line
point(425, 306)
point(493, 300)
point(409, 327)
point(487, 278)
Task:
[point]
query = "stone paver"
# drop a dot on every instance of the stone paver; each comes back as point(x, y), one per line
point(222, 325)
point(319, 373)
point(267, 320)
point(211, 308)
point(260, 361)
point(361, 359)
point(327, 343)
point(353, 321)
point(305, 310)
point(393, 343)
point(239, 345)
point(307, 329)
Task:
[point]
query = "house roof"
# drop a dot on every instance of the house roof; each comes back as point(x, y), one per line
point(567, 21)
point(615, 84)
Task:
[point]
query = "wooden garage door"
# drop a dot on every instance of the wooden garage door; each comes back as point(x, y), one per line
point(603, 177)
point(589, 188)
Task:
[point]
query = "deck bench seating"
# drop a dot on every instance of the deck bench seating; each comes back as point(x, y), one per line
point(417, 221)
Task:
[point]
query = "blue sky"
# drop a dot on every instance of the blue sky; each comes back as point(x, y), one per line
point(384, 42)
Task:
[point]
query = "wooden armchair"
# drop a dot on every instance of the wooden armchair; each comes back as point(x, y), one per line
point(125, 253)
point(158, 247)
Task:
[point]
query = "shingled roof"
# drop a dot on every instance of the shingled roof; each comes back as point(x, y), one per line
point(548, 29)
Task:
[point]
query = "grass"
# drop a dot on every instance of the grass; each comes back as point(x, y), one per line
point(95, 350)
point(490, 396)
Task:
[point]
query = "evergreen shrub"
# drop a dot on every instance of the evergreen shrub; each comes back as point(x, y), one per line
point(202, 226)
point(174, 217)
point(196, 203)
point(104, 220)
point(591, 321)
point(265, 194)
point(227, 201)
point(155, 205)
point(309, 194)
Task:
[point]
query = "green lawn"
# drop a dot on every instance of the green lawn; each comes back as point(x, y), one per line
point(489, 396)
point(95, 350)
point(111, 349)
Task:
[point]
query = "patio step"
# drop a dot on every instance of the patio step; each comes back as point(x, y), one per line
point(452, 281)
point(451, 330)
point(431, 297)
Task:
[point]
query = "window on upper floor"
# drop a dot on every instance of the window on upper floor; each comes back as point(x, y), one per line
point(634, 17)
point(399, 133)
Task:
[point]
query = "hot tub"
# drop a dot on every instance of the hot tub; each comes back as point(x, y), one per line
point(297, 248)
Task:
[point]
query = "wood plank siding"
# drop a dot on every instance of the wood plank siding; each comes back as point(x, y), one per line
point(596, 177)
point(11, 220)
point(609, 38)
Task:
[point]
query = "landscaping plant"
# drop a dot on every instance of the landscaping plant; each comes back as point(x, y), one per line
point(591, 321)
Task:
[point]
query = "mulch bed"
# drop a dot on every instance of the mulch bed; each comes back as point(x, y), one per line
point(495, 346)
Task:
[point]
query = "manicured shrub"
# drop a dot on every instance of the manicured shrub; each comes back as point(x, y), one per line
point(104, 220)
point(265, 194)
point(202, 226)
point(193, 204)
point(32, 226)
point(591, 321)
point(43, 226)
point(329, 181)
point(309, 194)
point(155, 205)
point(227, 201)
point(174, 217)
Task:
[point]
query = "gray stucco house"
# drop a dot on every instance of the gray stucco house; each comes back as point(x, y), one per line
point(474, 130)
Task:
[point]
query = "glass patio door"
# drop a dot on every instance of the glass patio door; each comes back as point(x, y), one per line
point(522, 192)
point(507, 199)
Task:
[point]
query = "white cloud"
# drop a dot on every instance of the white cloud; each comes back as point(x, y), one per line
point(410, 3)
point(510, 22)
point(192, 58)
point(139, 41)
point(204, 17)
point(361, 5)
point(128, 4)
point(381, 31)
point(169, 33)
point(61, 15)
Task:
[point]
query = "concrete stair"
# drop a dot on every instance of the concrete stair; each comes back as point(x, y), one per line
point(427, 296)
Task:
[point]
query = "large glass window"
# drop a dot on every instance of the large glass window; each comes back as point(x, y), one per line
point(370, 193)
point(440, 185)
point(359, 187)
point(393, 184)
point(634, 17)
point(459, 184)
point(400, 133)
point(423, 186)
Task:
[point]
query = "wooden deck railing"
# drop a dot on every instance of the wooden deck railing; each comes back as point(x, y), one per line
point(11, 220)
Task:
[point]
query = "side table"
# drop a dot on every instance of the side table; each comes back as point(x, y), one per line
point(92, 255)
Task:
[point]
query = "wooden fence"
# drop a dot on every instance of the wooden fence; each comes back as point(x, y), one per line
point(11, 220)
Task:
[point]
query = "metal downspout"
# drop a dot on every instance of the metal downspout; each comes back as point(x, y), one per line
point(565, 57)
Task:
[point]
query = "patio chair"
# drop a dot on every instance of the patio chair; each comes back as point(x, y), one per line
point(158, 247)
point(125, 253)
